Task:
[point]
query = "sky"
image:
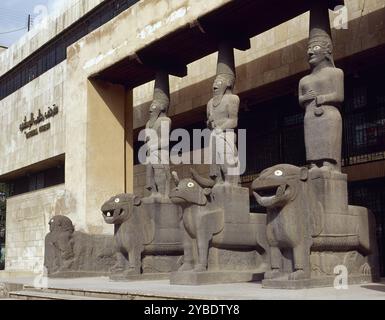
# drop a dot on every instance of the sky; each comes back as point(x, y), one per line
point(14, 16)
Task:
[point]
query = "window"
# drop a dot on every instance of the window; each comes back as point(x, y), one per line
point(37, 181)
point(55, 51)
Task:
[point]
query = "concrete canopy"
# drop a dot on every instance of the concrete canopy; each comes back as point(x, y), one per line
point(239, 20)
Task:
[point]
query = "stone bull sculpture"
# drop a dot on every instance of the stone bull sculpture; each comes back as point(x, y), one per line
point(300, 224)
point(213, 216)
point(140, 232)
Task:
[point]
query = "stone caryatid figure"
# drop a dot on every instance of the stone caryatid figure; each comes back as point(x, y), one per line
point(158, 175)
point(321, 94)
point(222, 114)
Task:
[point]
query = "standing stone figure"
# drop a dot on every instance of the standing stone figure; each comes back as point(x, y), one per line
point(158, 175)
point(222, 120)
point(321, 94)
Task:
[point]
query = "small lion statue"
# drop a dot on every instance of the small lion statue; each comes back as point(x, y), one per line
point(59, 254)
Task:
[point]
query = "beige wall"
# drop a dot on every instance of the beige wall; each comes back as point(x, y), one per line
point(106, 147)
point(15, 150)
point(71, 11)
point(27, 224)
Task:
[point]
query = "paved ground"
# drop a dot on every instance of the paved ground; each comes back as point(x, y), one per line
point(245, 291)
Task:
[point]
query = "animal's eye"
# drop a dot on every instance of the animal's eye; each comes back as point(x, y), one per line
point(278, 173)
point(52, 221)
point(316, 48)
point(117, 200)
point(191, 185)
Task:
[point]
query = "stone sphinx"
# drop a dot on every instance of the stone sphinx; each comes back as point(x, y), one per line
point(218, 218)
point(70, 253)
point(145, 242)
point(309, 235)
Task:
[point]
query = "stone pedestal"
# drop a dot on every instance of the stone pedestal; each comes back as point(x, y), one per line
point(334, 236)
point(319, 282)
point(215, 277)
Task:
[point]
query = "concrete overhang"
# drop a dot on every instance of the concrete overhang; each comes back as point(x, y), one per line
point(237, 21)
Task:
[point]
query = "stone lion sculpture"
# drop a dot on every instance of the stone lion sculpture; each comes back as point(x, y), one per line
point(70, 253)
point(306, 236)
point(139, 232)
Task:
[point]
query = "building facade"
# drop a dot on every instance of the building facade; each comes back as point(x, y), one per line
point(75, 93)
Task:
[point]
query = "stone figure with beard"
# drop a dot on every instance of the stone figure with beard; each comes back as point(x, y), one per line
point(158, 172)
point(222, 120)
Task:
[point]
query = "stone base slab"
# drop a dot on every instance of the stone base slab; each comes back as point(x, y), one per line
point(140, 277)
point(77, 274)
point(214, 277)
point(318, 282)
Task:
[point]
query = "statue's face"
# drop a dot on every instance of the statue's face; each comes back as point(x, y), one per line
point(155, 109)
point(317, 52)
point(219, 86)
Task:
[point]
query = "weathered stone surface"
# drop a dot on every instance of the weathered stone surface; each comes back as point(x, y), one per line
point(69, 253)
point(217, 216)
point(222, 114)
point(321, 94)
point(147, 228)
point(158, 177)
point(310, 231)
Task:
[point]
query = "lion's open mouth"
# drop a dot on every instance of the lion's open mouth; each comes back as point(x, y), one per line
point(177, 200)
point(268, 196)
point(112, 213)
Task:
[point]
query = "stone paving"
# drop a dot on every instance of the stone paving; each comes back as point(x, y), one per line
point(242, 291)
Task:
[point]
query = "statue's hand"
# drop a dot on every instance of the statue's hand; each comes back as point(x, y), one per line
point(309, 96)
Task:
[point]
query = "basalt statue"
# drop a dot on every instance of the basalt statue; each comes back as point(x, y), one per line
point(158, 175)
point(213, 218)
point(140, 232)
point(301, 235)
point(311, 228)
point(222, 120)
point(216, 210)
point(321, 94)
point(147, 235)
point(70, 253)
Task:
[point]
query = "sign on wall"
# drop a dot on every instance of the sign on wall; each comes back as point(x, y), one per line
point(34, 125)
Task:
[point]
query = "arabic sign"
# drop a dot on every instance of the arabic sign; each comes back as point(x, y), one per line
point(35, 121)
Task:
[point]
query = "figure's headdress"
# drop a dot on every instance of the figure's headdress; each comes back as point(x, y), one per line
point(226, 62)
point(320, 30)
point(162, 89)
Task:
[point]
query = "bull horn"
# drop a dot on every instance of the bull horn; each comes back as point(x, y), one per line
point(203, 182)
point(175, 176)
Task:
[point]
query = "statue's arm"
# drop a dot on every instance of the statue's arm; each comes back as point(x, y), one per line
point(209, 119)
point(305, 97)
point(164, 140)
point(232, 110)
point(338, 95)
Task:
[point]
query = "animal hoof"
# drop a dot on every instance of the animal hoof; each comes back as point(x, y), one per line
point(298, 275)
point(200, 268)
point(131, 271)
point(117, 270)
point(186, 267)
point(366, 269)
point(273, 274)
